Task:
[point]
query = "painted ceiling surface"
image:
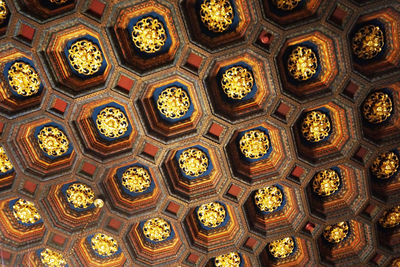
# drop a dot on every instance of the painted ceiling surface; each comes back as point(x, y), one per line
point(199, 133)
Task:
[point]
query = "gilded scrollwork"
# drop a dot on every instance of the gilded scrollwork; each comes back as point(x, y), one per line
point(315, 126)
point(3, 11)
point(112, 122)
point(368, 42)
point(237, 82)
point(231, 259)
point(268, 198)
point(281, 248)
point(377, 107)
point(216, 15)
point(326, 182)
point(157, 229)
point(336, 233)
point(390, 218)
point(173, 102)
point(80, 195)
point(286, 5)
point(136, 179)
point(23, 79)
point(193, 162)
point(53, 141)
point(58, 2)
point(302, 63)
point(104, 245)
point(5, 163)
point(254, 144)
point(385, 165)
point(149, 35)
point(211, 214)
point(85, 57)
point(25, 211)
point(51, 258)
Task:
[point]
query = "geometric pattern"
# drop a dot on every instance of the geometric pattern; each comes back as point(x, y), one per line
point(199, 132)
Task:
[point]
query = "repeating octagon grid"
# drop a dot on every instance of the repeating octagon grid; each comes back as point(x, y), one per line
point(199, 133)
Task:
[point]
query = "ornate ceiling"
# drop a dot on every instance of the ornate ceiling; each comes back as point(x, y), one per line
point(199, 133)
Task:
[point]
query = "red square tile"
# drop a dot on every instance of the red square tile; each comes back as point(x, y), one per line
point(88, 168)
point(338, 15)
point(26, 32)
point(114, 224)
point(265, 38)
point(215, 129)
point(361, 153)
point(30, 187)
point(125, 83)
point(194, 61)
point(351, 89)
point(234, 191)
point(173, 208)
point(251, 243)
point(370, 209)
point(150, 150)
point(297, 172)
point(193, 258)
point(96, 8)
point(309, 227)
point(59, 105)
point(282, 110)
point(58, 240)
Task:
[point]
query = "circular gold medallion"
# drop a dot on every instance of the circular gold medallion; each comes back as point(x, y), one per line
point(211, 214)
point(85, 57)
point(368, 42)
point(157, 229)
point(216, 15)
point(149, 35)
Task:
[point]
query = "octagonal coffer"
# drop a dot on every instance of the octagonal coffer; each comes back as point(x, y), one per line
point(212, 225)
point(384, 173)
point(193, 172)
point(21, 222)
point(145, 35)
point(380, 55)
point(44, 147)
point(272, 210)
point(239, 86)
point(99, 249)
point(76, 58)
point(324, 132)
point(336, 191)
point(308, 65)
point(132, 187)
point(257, 152)
point(155, 241)
point(72, 205)
point(215, 24)
point(171, 107)
point(345, 241)
point(388, 228)
point(22, 86)
point(106, 127)
point(379, 114)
